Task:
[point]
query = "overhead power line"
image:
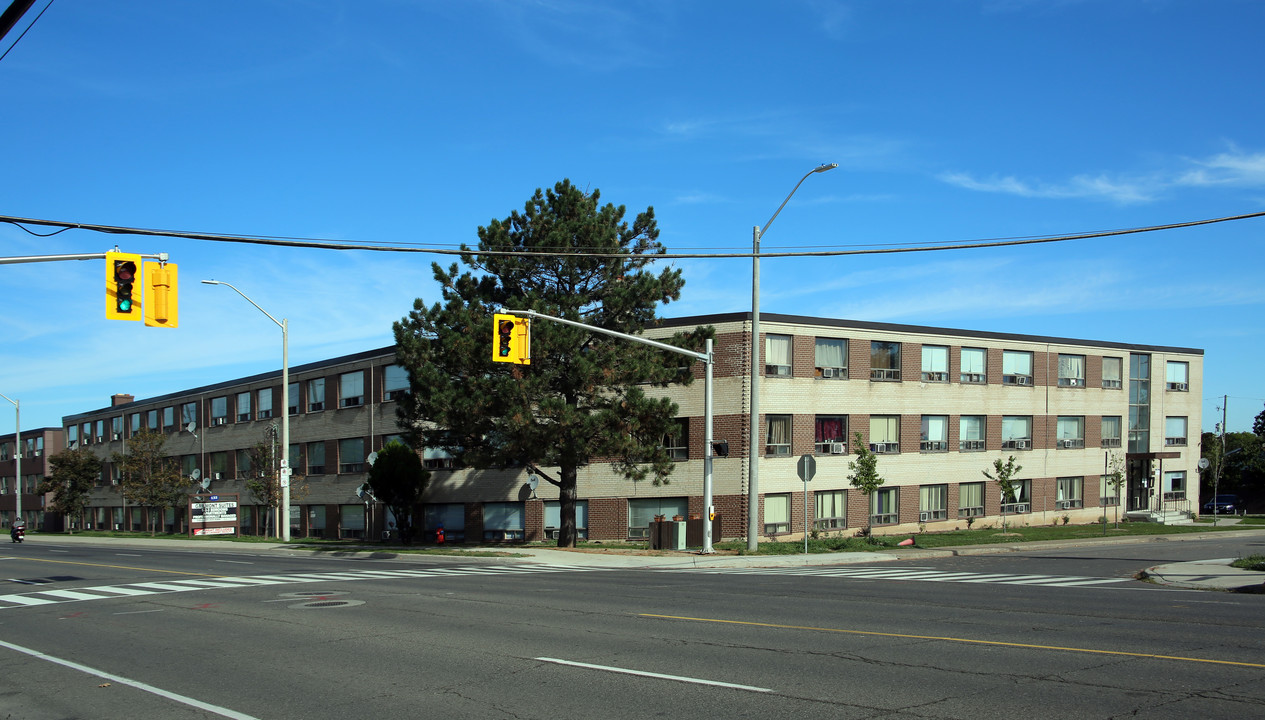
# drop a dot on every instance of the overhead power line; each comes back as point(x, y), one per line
point(324, 244)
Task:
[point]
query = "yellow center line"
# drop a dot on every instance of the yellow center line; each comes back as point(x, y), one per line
point(121, 567)
point(957, 640)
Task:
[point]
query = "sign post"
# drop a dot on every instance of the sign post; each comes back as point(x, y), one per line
point(807, 468)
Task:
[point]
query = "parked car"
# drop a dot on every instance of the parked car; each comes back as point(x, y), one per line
point(1222, 505)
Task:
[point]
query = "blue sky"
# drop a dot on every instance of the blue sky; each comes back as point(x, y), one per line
point(414, 122)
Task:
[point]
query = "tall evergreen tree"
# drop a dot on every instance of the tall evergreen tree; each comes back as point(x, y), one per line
point(74, 473)
point(398, 480)
point(583, 395)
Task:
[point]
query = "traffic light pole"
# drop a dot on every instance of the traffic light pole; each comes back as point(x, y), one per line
point(162, 257)
point(707, 359)
point(17, 454)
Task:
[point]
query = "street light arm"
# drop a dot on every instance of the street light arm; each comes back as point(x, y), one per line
point(247, 298)
point(818, 169)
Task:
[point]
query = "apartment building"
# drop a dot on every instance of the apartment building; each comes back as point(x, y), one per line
point(938, 406)
point(31, 451)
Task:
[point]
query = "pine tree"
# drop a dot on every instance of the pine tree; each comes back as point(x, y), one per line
point(583, 397)
point(398, 481)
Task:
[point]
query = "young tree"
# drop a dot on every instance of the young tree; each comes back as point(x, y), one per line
point(1114, 479)
point(398, 480)
point(263, 480)
point(583, 395)
point(74, 473)
point(150, 478)
point(864, 475)
point(1004, 475)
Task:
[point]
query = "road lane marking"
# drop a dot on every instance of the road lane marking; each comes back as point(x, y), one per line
point(182, 699)
point(661, 676)
point(969, 641)
point(117, 567)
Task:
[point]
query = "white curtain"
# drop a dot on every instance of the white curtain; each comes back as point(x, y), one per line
point(777, 350)
point(973, 360)
point(1014, 362)
point(885, 429)
point(1016, 428)
point(971, 427)
point(1072, 366)
point(935, 428)
point(935, 358)
point(831, 353)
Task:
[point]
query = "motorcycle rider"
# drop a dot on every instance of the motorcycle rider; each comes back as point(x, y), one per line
point(17, 531)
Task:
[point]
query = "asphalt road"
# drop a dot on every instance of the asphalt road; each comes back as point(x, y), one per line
point(140, 633)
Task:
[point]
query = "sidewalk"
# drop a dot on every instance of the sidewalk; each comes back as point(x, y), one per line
point(1213, 574)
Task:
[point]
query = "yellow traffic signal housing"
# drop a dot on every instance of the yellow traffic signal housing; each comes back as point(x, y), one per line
point(122, 278)
point(160, 294)
point(511, 339)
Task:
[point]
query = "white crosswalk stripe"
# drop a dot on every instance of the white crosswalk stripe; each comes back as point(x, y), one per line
point(925, 575)
point(56, 595)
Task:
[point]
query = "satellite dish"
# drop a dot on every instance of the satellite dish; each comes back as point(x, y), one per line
point(206, 483)
point(373, 457)
point(190, 427)
point(1203, 463)
point(360, 491)
point(532, 481)
point(195, 474)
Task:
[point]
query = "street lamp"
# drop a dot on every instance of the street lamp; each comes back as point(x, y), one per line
point(17, 454)
point(753, 458)
point(285, 409)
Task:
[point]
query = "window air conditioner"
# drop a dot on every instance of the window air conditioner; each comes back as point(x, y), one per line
point(38, 453)
point(218, 421)
point(838, 448)
point(218, 476)
point(1022, 379)
point(1063, 504)
point(116, 436)
point(924, 517)
point(1021, 444)
point(827, 372)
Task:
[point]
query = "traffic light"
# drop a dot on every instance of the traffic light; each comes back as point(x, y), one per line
point(122, 273)
point(160, 294)
point(511, 339)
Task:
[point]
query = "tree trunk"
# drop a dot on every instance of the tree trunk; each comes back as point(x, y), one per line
point(567, 491)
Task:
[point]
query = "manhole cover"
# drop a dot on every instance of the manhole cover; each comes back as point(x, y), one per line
point(326, 604)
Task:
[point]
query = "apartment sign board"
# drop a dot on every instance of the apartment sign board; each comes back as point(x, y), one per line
point(213, 515)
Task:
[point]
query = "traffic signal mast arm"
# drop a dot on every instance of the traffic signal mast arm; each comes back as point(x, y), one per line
point(161, 257)
point(708, 361)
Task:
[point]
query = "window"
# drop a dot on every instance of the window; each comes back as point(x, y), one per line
point(316, 394)
point(264, 401)
point(778, 440)
point(830, 434)
point(832, 510)
point(935, 363)
point(72, 437)
point(243, 406)
point(1176, 376)
point(971, 429)
point(970, 499)
point(1175, 485)
point(502, 521)
point(885, 434)
point(151, 422)
point(188, 463)
point(777, 355)
point(169, 418)
point(351, 389)
point(1069, 493)
point(831, 358)
point(973, 366)
point(101, 429)
point(1016, 432)
point(1016, 367)
point(1070, 432)
point(1111, 431)
point(437, 459)
point(935, 433)
point(189, 415)
point(87, 430)
point(676, 442)
point(777, 513)
point(1107, 495)
point(1174, 431)
point(1112, 371)
point(243, 464)
point(351, 455)
point(884, 361)
point(316, 458)
point(293, 391)
point(1020, 499)
point(933, 503)
point(219, 410)
point(553, 519)
point(449, 516)
point(217, 465)
point(642, 512)
point(1139, 403)
point(883, 507)
point(1072, 371)
point(351, 521)
point(134, 424)
point(394, 382)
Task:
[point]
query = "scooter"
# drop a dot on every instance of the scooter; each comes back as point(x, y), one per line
point(17, 533)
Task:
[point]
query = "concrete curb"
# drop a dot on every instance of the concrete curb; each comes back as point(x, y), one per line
point(1213, 574)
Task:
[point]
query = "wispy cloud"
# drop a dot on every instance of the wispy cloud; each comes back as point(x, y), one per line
point(1231, 168)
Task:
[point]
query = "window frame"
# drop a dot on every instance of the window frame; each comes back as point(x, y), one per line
point(1116, 383)
point(346, 395)
point(1016, 443)
point(824, 370)
point(316, 389)
point(823, 445)
point(880, 349)
point(925, 442)
point(929, 496)
point(936, 368)
point(779, 522)
point(971, 377)
point(777, 369)
point(1009, 372)
point(1171, 440)
point(838, 503)
point(1070, 376)
point(972, 444)
point(885, 498)
point(1109, 441)
point(783, 449)
point(1177, 382)
point(1070, 432)
point(886, 446)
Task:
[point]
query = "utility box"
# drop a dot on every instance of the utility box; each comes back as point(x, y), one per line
point(678, 535)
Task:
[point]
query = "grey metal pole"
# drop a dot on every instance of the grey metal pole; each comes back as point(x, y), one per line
point(753, 457)
point(708, 509)
point(285, 408)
